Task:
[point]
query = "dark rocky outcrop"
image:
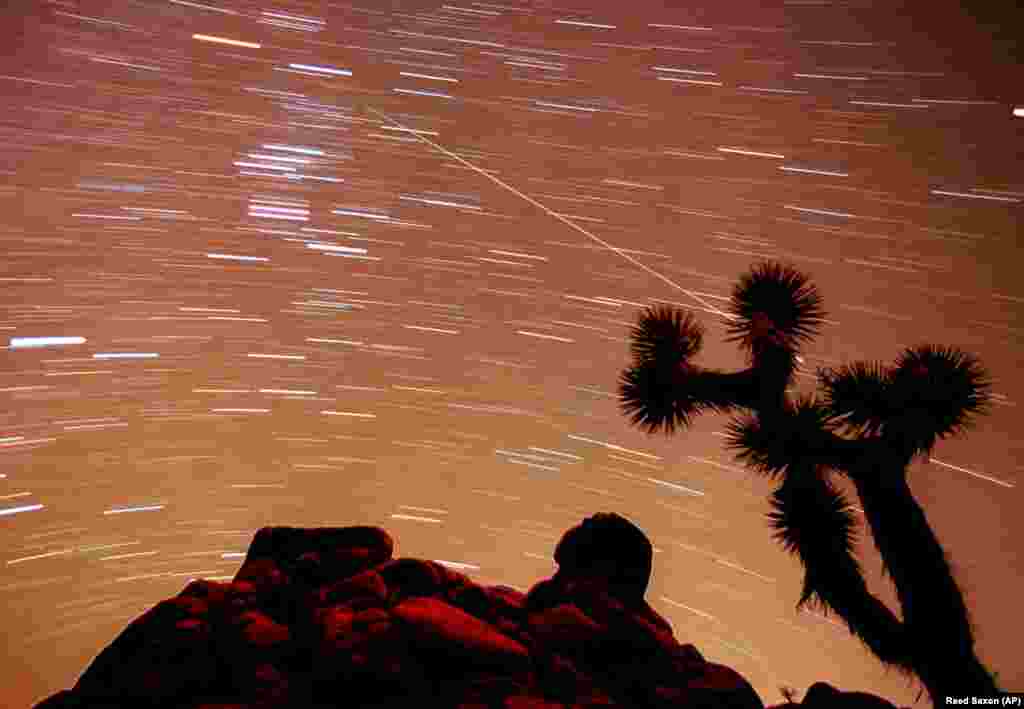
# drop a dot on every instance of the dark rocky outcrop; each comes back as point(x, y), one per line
point(327, 618)
point(821, 695)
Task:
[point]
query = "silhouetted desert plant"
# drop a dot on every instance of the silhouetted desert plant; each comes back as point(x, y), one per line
point(867, 421)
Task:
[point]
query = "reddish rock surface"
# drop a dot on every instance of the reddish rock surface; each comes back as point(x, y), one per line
point(325, 618)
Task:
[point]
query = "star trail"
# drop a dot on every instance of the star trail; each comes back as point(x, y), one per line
point(316, 264)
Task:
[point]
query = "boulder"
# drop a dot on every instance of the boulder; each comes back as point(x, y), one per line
point(165, 655)
point(608, 547)
point(822, 695)
point(319, 618)
point(436, 626)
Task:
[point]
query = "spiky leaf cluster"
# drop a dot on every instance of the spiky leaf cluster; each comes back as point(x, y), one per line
point(655, 397)
point(659, 391)
point(774, 305)
point(858, 395)
point(665, 335)
point(935, 392)
point(790, 435)
point(931, 393)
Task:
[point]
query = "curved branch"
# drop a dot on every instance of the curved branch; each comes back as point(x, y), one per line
point(812, 521)
point(661, 395)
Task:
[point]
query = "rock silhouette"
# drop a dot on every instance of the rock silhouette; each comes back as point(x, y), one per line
point(327, 618)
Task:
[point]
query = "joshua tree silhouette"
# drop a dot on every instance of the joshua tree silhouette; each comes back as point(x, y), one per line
point(867, 422)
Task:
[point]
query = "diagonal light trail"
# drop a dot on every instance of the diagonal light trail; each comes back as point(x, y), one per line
point(556, 215)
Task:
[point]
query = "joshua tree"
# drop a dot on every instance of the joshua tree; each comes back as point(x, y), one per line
point(867, 422)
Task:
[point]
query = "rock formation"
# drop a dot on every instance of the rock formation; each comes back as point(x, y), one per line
point(325, 618)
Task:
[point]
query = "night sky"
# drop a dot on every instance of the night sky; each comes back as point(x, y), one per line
point(327, 264)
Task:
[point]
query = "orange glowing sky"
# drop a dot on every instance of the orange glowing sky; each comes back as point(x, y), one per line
point(333, 264)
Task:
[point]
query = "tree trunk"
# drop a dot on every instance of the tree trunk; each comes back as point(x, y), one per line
point(935, 617)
